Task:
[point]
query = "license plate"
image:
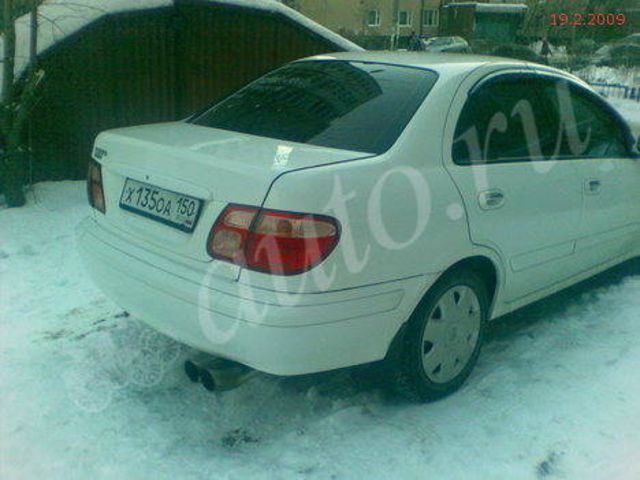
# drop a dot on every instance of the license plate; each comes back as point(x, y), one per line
point(171, 208)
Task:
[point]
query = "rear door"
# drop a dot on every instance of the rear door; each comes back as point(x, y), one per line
point(520, 204)
point(595, 139)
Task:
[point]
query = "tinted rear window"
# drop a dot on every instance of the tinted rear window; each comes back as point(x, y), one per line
point(347, 105)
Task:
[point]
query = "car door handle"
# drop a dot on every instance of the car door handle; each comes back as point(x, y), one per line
point(491, 199)
point(593, 186)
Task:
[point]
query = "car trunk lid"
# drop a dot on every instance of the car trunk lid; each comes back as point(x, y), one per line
point(214, 166)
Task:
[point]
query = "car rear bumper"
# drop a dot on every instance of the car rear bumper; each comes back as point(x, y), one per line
point(278, 333)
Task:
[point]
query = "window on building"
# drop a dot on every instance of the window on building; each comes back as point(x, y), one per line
point(373, 18)
point(430, 17)
point(405, 18)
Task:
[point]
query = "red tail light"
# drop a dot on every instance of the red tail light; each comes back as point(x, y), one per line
point(271, 241)
point(95, 191)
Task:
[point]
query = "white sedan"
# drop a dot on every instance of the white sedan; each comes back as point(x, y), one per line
point(355, 207)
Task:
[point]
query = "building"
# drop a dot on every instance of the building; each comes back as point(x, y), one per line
point(375, 24)
point(142, 62)
point(381, 24)
point(487, 22)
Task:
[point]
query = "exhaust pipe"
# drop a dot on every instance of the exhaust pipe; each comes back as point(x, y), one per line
point(192, 370)
point(217, 374)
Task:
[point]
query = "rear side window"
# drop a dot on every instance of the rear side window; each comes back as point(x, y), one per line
point(586, 128)
point(531, 118)
point(346, 105)
point(504, 121)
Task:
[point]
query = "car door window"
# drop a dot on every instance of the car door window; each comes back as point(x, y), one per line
point(504, 121)
point(586, 128)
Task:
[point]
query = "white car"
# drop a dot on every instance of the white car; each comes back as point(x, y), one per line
point(355, 207)
point(446, 45)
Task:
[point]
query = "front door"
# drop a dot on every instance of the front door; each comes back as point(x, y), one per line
point(593, 137)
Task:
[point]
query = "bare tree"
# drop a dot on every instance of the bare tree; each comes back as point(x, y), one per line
point(15, 103)
point(20, 86)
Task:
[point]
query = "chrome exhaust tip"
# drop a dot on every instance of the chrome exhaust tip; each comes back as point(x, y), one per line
point(217, 374)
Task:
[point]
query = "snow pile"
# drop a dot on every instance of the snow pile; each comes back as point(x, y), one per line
point(61, 18)
point(87, 392)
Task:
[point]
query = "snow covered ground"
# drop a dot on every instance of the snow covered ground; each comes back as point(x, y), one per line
point(87, 392)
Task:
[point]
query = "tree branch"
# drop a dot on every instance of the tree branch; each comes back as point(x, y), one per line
point(8, 64)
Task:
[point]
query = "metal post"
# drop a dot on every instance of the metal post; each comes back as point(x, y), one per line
point(396, 26)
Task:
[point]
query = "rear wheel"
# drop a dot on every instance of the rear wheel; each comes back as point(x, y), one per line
point(444, 336)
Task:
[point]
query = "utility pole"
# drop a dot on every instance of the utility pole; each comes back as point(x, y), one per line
point(15, 104)
point(33, 39)
point(396, 25)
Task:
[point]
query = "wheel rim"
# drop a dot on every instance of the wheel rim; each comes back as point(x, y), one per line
point(451, 334)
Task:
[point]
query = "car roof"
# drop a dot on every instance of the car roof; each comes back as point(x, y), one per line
point(434, 61)
point(445, 64)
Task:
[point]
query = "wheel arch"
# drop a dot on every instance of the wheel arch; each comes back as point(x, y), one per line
point(485, 265)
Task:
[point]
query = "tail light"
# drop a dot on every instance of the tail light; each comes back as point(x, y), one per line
point(270, 241)
point(95, 191)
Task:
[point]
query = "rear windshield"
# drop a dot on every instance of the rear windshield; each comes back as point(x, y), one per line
point(355, 106)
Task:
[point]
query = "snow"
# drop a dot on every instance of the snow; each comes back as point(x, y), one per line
point(628, 76)
point(87, 392)
point(492, 7)
point(501, 8)
point(61, 18)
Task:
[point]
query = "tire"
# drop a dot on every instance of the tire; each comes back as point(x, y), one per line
point(443, 337)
